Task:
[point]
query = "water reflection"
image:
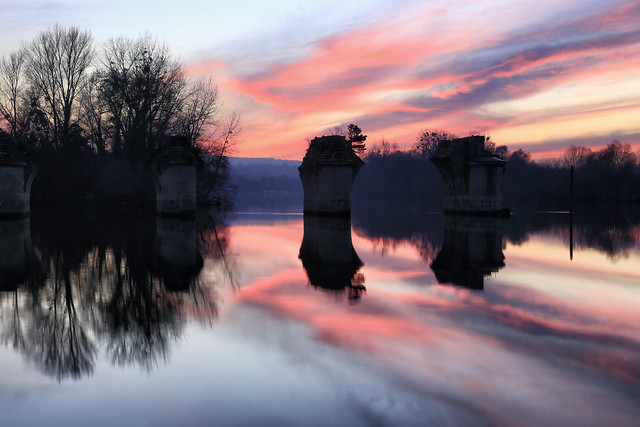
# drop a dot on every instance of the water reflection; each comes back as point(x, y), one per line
point(177, 260)
point(389, 224)
point(490, 358)
point(124, 285)
point(472, 250)
point(328, 256)
point(19, 265)
point(545, 332)
point(613, 230)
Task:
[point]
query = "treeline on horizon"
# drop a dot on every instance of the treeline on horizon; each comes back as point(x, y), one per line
point(610, 173)
point(91, 117)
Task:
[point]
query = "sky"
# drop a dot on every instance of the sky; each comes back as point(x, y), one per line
point(533, 74)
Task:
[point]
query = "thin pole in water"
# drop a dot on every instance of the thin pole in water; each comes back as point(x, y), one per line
point(571, 215)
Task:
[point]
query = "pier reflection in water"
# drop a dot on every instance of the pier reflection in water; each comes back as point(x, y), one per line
point(177, 258)
point(16, 254)
point(472, 250)
point(328, 256)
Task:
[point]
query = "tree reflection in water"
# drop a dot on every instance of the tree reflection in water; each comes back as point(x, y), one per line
point(124, 285)
point(470, 249)
point(388, 224)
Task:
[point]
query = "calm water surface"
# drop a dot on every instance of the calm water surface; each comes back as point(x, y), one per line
point(397, 317)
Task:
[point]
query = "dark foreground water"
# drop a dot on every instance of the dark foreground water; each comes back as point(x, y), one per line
point(399, 317)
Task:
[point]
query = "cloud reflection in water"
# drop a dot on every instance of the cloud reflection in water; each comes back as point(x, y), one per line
point(547, 341)
point(523, 344)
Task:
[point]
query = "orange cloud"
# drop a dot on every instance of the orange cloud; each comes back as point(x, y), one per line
point(428, 70)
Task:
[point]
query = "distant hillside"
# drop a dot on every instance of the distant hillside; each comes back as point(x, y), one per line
point(262, 160)
point(265, 176)
point(260, 167)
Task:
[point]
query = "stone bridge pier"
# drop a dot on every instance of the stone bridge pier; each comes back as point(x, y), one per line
point(327, 173)
point(16, 177)
point(473, 177)
point(173, 168)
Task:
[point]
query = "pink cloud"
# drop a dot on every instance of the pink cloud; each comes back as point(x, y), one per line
point(397, 78)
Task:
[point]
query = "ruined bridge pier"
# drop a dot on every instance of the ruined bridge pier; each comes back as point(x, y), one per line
point(16, 176)
point(173, 168)
point(327, 173)
point(473, 177)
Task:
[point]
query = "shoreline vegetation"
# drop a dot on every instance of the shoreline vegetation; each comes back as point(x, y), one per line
point(610, 174)
point(91, 117)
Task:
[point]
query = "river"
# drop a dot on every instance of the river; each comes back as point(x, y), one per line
point(399, 316)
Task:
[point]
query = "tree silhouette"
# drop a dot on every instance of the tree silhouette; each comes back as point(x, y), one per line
point(139, 82)
point(12, 88)
point(576, 156)
point(56, 67)
point(356, 138)
point(429, 139)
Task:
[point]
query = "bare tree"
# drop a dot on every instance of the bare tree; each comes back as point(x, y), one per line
point(143, 88)
point(56, 66)
point(225, 138)
point(353, 135)
point(617, 157)
point(336, 130)
point(383, 147)
point(576, 156)
point(429, 139)
point(214, 152)
point(198, 117)
point(94, 116)
point(501, 151)
point(12, 87)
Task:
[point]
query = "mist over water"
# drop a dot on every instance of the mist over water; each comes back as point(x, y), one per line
point(262, 316)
